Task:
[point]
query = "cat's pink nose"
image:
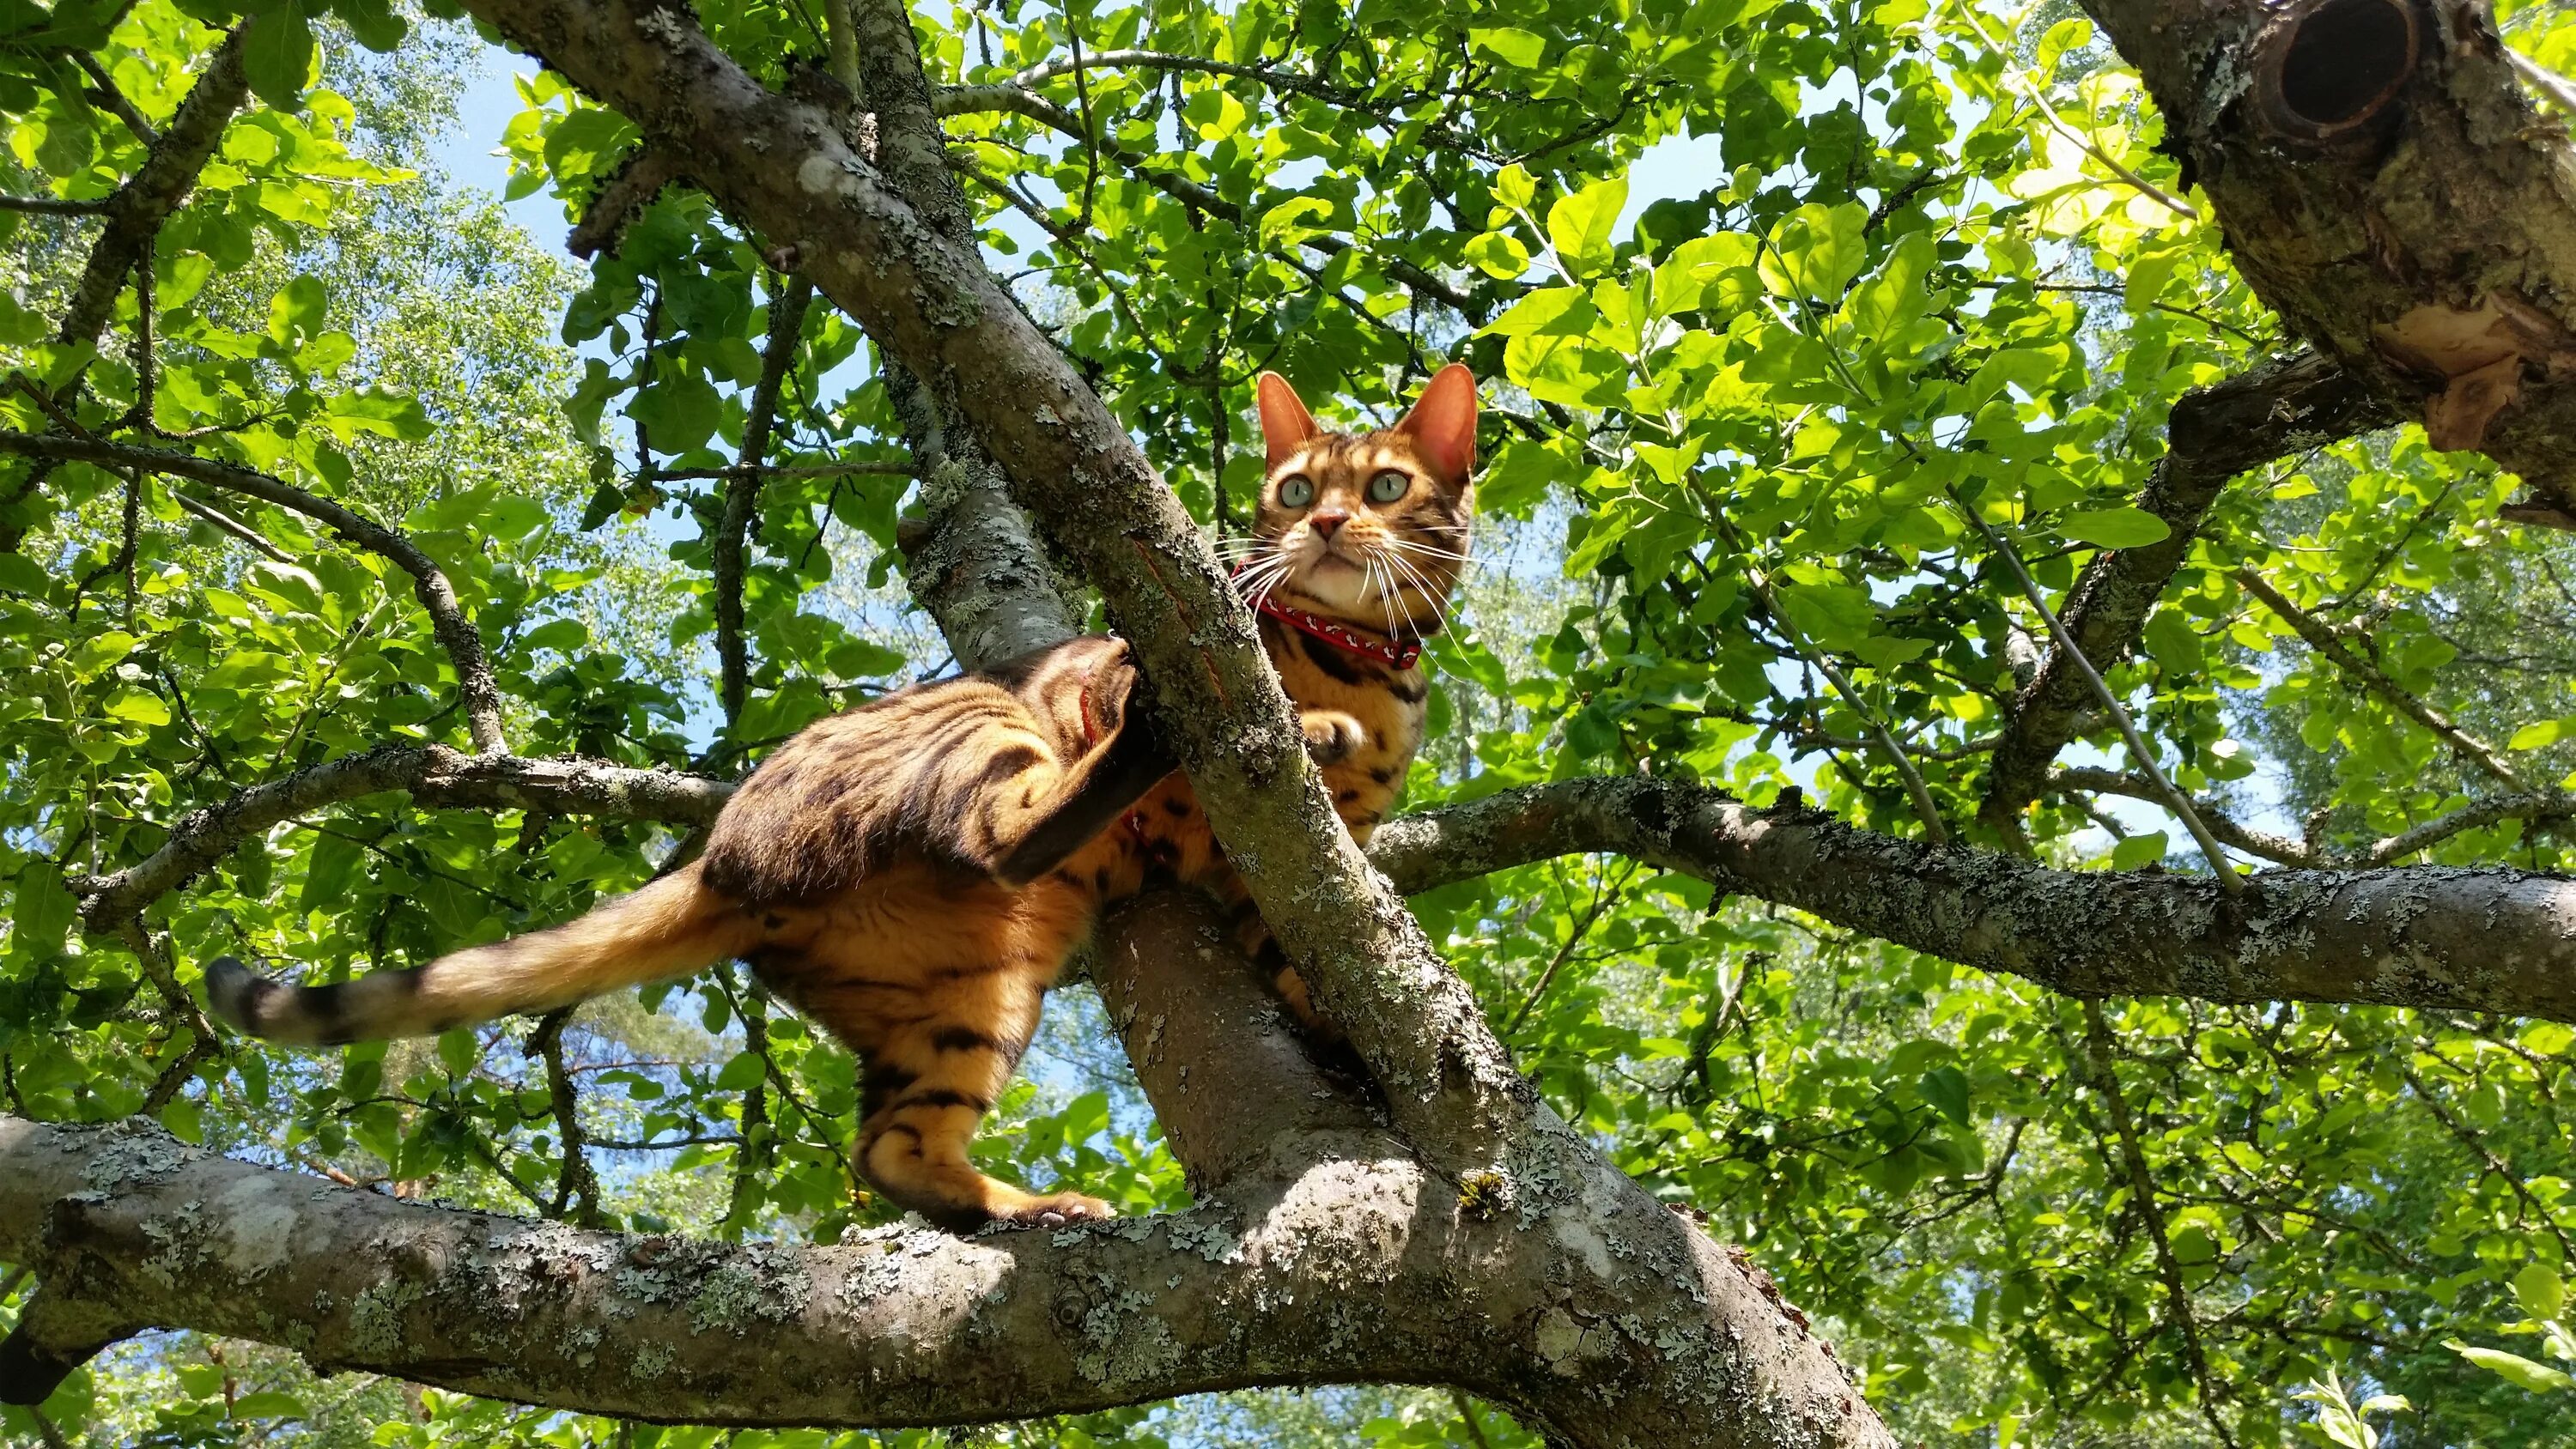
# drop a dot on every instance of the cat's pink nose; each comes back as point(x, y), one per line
point(1324, 521)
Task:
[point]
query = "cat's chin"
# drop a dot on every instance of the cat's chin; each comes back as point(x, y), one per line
point(1341, 587)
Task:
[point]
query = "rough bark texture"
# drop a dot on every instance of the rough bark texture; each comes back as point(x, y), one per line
point(1586, 1305)
point(2386, 187)
point(2214, 434)
point(136, 209)
point(2481, 940)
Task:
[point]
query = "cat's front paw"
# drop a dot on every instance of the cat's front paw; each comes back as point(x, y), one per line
point(1331, 736)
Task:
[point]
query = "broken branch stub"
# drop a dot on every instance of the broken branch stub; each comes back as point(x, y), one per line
point(2325, 70)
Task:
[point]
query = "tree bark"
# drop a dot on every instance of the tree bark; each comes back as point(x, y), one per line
point(2385, 186)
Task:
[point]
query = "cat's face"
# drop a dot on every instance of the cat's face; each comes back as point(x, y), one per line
point(1368, 528)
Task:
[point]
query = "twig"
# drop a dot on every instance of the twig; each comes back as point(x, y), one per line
point(114, 101)
point(52, 206)
point(434, 774)
point(575, 1180)
point(2138, 787)
point(2323, 638)
point(229, 524)
point(2139, 753)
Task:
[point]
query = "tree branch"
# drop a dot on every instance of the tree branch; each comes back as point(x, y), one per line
point(2142, 1197)
point(136, 209)
point(2481, 940)
point(2322, 637)
point(2386, 187)
point(2215, 434)
point(1349, 1272)
point(742, 491)
point(434, 774)
point(475, 687)
point(2138, 787)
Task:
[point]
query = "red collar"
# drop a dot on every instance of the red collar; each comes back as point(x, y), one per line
point(1340, 636)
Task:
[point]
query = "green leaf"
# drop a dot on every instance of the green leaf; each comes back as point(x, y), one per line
point(2139, 850)
point(1946, 1088)
point(2514, 1368)
point(458, 1051)
point(45, 908)
point(2540, 1292)
point(1579, 225)
point(373, 22)
point(742, 1073)
point(268, 1404)
point(1816, 250)
point(1521, 49)
point(278, 54)
point(1547, 312)
point(2127, 527)
point(2536, 734)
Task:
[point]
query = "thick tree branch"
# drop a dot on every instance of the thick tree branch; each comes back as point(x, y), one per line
point(2323, 638)
point(475, 686)
point(2214, 434)
point(2386, 187)
point(434, 774)
point(136, 209)
point(1615, 1323)
point(2480, 940)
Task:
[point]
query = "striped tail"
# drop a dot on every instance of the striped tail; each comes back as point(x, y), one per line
point(673, 926)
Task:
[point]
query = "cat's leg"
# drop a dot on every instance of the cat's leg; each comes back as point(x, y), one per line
point(1332, 736)
point(939, 992)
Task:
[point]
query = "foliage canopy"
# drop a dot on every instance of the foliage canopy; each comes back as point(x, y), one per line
point(1773, 450)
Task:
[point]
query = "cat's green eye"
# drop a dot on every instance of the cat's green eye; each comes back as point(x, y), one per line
point(1388, 486)
point(1296, 491)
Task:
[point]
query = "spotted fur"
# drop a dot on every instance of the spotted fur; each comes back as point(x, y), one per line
point(913, 874)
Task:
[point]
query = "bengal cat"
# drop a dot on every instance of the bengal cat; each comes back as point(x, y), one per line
point(914, 873)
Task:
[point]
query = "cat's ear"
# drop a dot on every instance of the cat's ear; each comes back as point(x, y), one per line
point(1442, 423)
point(1285, 423)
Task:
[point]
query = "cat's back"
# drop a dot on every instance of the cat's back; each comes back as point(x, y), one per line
point(849, 794)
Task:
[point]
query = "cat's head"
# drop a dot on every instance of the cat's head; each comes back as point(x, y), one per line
point(1368, 528)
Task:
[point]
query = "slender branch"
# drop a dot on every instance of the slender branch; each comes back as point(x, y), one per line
point(480, 695)
point(1934, 828)
point(109, 98)
point(2142, 1197)
point(742, 491)
point(231, 525)
point(2323, 638)
point(1012, 99)
point(2469, 1138)
point(857, 467)
point(52, 206)
point(2140, 753)
point(2138, 787)
point(2213, 435)
point(575, 1182)
point(136, 209)
point(2537, 807)
point(434, 774)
